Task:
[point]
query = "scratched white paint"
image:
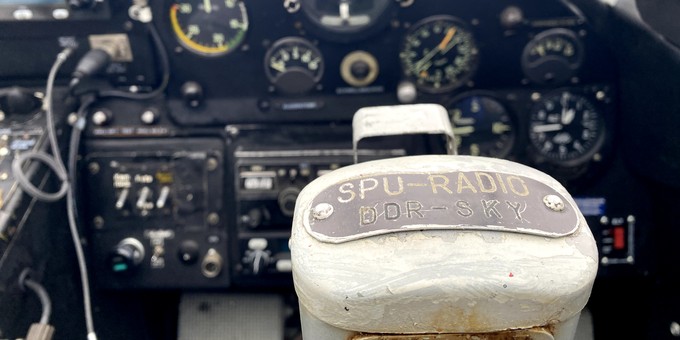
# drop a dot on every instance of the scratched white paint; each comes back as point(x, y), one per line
point(438, 281)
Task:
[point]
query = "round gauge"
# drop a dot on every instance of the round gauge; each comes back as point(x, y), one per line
point(294, 65)
point(209, 27)
point(482, 126)
point(345, 20)
point(552, 57)
point(566, 128)
point(439, 53)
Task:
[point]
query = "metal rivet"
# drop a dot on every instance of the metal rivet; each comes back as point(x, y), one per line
point(675, 329)
point(553, 203)
point(322, 211)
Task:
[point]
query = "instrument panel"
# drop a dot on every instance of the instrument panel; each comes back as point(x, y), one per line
point(301, 61)
point(527, 81)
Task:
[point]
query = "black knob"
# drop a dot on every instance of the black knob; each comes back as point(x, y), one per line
point(192, 92)
point(16, 100)
point(286, 200)
point(360, 69)
point(295, 81)
point(188, 252)
point(127, 255)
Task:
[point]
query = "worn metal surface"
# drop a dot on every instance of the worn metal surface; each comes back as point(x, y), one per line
point(371, 205)
point(402, 120)
point(440, 281)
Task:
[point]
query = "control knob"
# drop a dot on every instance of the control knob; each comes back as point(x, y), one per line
point(286, 200)
point(127, 255)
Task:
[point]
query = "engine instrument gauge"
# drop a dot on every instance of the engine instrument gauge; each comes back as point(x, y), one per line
point(209, 27)
point(294, 65)
point(347, 20)
point(482, 126)
point(552, 57)
point(439, 54)
point(566, 128)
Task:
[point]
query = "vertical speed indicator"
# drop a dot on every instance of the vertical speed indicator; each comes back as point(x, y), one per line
point(209, 27)
point(439, 54)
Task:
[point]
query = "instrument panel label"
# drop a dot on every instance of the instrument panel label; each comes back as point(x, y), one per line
point(477, 200)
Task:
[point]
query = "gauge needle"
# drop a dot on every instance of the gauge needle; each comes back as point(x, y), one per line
point(442, 44)
point(568, 116)
point(207, 6)
point(546, 128)
point(463, 130)
point(447, 38)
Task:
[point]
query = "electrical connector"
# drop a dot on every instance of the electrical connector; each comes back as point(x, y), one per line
point(40, 331)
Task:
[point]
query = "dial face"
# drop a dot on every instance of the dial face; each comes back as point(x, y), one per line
point(293, 53)
point(482, 126)
point(566, 128)
point(209, 27)
point(553, 56)
point(293, 65)
point(439, 54)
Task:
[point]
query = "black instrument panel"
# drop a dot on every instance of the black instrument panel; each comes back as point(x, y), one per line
point(239, 83)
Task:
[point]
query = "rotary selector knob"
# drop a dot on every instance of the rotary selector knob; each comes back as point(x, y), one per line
point(128, 254)
point(17, 100)
point(286, 200)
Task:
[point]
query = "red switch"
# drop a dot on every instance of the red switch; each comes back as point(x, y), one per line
point(619, 238)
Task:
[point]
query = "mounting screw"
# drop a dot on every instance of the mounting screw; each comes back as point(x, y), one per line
point(232, 131)
point(291, 6)
point(553, 202)
point(101, 117)
point(213, 218)
point(322, 211)
point(149, 117)
point(211, 164)
point(94, 168)
point(98, 222)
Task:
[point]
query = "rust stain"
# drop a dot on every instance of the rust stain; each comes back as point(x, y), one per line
point(522, 334)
